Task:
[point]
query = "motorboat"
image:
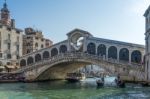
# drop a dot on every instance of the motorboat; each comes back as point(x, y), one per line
point(75, 77)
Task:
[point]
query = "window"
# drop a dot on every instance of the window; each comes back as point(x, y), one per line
point(23, 62)
point(28, 51)
point(124, 54)
point(9, 36)
point(63, 49)
point(136, 56)
point(1, 55)
point(91, 48)
point(8, 45)
point(42, 46)
point(9, 56)
point(37, 57)
point(17, 38)
point(101, 50)
point(42, 39)
point(17, 47)
point(54, 52)
point(46, 55)
point(36, 44)
point(17, 56)
point(9, 29)
point(8, 63)
point(112, 52)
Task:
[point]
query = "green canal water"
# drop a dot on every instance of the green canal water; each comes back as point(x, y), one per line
point(63, 90)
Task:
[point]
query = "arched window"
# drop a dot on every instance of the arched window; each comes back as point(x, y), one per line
point(46, 55)
point(37, 57)
point(23, 62)
point(91, 48)
point(63, 49)
point(124, 54)
point(30, 60)
point(112, 52)
point(54, 52)
point(136, 56)
point(101, 50)
point(42, 46)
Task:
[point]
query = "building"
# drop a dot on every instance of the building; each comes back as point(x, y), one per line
point(147, 43)
point(10, 40)
point(34, 40)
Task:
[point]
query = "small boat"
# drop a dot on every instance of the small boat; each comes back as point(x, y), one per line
point(75, 77)
point(120, 83)
point(100, 83)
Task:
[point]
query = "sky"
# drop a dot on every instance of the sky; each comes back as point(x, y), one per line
point(120, 20)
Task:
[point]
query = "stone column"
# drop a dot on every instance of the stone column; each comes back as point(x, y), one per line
point(130, 56)
point(84, 45)
point(107, 47)
point(118, 50)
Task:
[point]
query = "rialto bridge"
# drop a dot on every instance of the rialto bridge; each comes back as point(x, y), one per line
point(81, 49)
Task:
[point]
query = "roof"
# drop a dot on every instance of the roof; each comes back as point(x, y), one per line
point(78, 30)
point(147, 11)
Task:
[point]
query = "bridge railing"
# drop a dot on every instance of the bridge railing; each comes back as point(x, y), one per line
point(73, 55)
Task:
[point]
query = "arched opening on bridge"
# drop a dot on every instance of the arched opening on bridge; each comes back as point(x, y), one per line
point(54, 52)
point(23, 62)
point(30, 60)
point(37, 57)
point(112, 52)
point(136, 56)
point(46, 55)
point(91, 48)
point(63, 49)
point(124, 54)
point(101, 50)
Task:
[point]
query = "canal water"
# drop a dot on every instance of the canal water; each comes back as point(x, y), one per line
point(63, 90)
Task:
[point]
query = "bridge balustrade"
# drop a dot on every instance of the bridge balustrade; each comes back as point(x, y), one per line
point(70, 55)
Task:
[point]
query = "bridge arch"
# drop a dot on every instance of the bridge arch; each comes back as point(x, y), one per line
point(54, 52)
point(38, 57)
point(46, 55)
point(112, 52)
point(101, 50)
point(91, 48)
point(23, 62)
point(62, 49)
point(124, 54)
point(30, 60)
point(136, 56)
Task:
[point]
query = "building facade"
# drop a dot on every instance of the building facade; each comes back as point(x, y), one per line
point(147, 43)
point(34, 40)
point(10, 40)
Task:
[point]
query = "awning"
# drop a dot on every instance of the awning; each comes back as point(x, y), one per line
point(10, 66)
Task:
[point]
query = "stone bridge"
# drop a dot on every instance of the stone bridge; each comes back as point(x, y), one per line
point(81, 49)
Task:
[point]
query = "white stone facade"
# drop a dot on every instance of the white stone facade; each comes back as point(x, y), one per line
point(147, 43)
point(34, 40)
point(11, 44)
